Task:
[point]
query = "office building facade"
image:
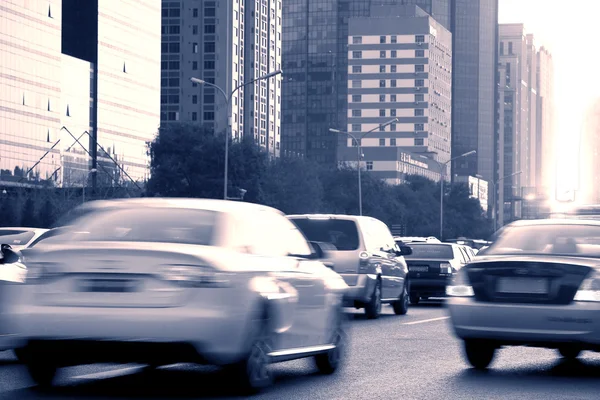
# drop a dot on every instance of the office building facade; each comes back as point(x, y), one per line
point(88, 86)
point(589, 160)
point(399, 69)
point(545, 113)
point(225, 43)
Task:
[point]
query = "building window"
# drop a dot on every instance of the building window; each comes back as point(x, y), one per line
point(419, 112)
point(510, 48)
point(419, 68)
point(393, 127)
point(393, 112)
point(419, 127)
point(357, 40)
point(357, 54)
point(419, 53)
point(356, 127)
point(420, 39)
point(501, 48)
point(369, 165)
point(393, 68)
point(195, 30)
point(210, 12)
point(209, 116)
point(209, 47)
point(356, 143)
point(356, 113)
point(195, 99)
point(195, 65)
point(356, 84)
point(394, 54)
point(419, 97)
point(382, 113)
point(394, 39)
point(419, 142)
point(393, 98)
point(382, 68)
point(210, 29)
point(382, 142)
point(356, 69)
point(356, 98)
point(194, 116)
point(382, 54)
point(419, 82)
point(393, 83)
point(393, 142)
point(209, 64)
point(195, 13)
point(382, 83)
point(194, 47)
point(382, 39)
point(382, 98)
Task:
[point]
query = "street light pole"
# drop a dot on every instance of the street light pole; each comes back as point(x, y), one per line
point(494, 203)
point(359, 155)
point(229, 115)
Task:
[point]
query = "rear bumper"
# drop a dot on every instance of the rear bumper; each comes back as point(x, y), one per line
point(362, 291)
point(429, 287)
point(525, 324)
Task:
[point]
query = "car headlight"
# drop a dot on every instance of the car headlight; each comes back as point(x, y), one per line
point(446, 268)
point(194, 275)
point(589, 289)
point(460, 286)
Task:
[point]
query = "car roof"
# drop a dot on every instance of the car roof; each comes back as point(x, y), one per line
point(21, 228)
point(543, 222)
point(332, 216)
point(225, 206)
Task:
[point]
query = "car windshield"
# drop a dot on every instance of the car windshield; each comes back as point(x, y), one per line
point(341, 233)
point(163, 225)
point(16, 237)
point(429, 251)
point(560, 239)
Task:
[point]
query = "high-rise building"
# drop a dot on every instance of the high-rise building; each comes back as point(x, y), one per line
point(80, 91)
point(545, 113)
point(589, 160)
point(226, 43)
point(399, 69)
point(520, 152)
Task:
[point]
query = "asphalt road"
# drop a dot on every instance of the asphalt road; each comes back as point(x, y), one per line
point(409, 357)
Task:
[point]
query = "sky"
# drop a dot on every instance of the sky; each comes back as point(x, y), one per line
point(570, 31)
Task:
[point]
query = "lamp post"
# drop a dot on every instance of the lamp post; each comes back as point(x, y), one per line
point(442, 172)
point(87, 177)
point(229, 111)
point(494, 189)
point(358, 140)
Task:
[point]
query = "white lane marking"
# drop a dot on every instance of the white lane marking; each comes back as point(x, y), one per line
point(426, 320)
point(109, 374)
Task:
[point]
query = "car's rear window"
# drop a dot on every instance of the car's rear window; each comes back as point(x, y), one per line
point(16, 237)
point(429, 251)
point(159, 225)
point(343, 234)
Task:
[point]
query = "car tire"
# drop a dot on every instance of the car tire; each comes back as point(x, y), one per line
point(401, 306)
point(414, 299)
point(41, 371)
point(373, 307)
point(569, 353)
point(479, 353)
point(253, 372)
point(329, 362)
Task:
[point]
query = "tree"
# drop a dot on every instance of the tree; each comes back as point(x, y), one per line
point(10, 215)
point(47, 214)
point(28, 215)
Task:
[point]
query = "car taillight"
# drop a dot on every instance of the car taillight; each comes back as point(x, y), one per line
point(589, 289)
point(446, 268)
point(460, 286)
point(363, 261)
point(194, 275)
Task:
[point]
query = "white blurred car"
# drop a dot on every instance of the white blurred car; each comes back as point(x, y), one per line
point(20, 238)
point(163, 281)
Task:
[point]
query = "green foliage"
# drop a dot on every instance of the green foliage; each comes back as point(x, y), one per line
point(188, 161)
point(28, 215)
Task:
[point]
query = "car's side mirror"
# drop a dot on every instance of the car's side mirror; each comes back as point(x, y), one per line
point(8, 254)
point(404, 251)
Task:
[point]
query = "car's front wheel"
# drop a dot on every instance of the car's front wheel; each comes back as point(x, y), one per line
point(41, 371)
point(414, 298)
point(569, 352)
point(401, 306)
point(329, 362)
point(373, 307)
point(479, 353)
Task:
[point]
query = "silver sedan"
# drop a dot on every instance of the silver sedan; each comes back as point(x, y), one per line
point(537, 285)
point(162, 281)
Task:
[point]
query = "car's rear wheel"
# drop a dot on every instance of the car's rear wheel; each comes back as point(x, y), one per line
point(414, 298)
point(373, 308)
point(479, 353)
point(41, 371)
point(401, 306)
point(569, 352)
point(328, 363)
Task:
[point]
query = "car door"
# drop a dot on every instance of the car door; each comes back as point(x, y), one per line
point(391, 268)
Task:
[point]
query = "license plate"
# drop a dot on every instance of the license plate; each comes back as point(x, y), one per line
point(522, 285)
point(109, 286)
point(418, 269)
